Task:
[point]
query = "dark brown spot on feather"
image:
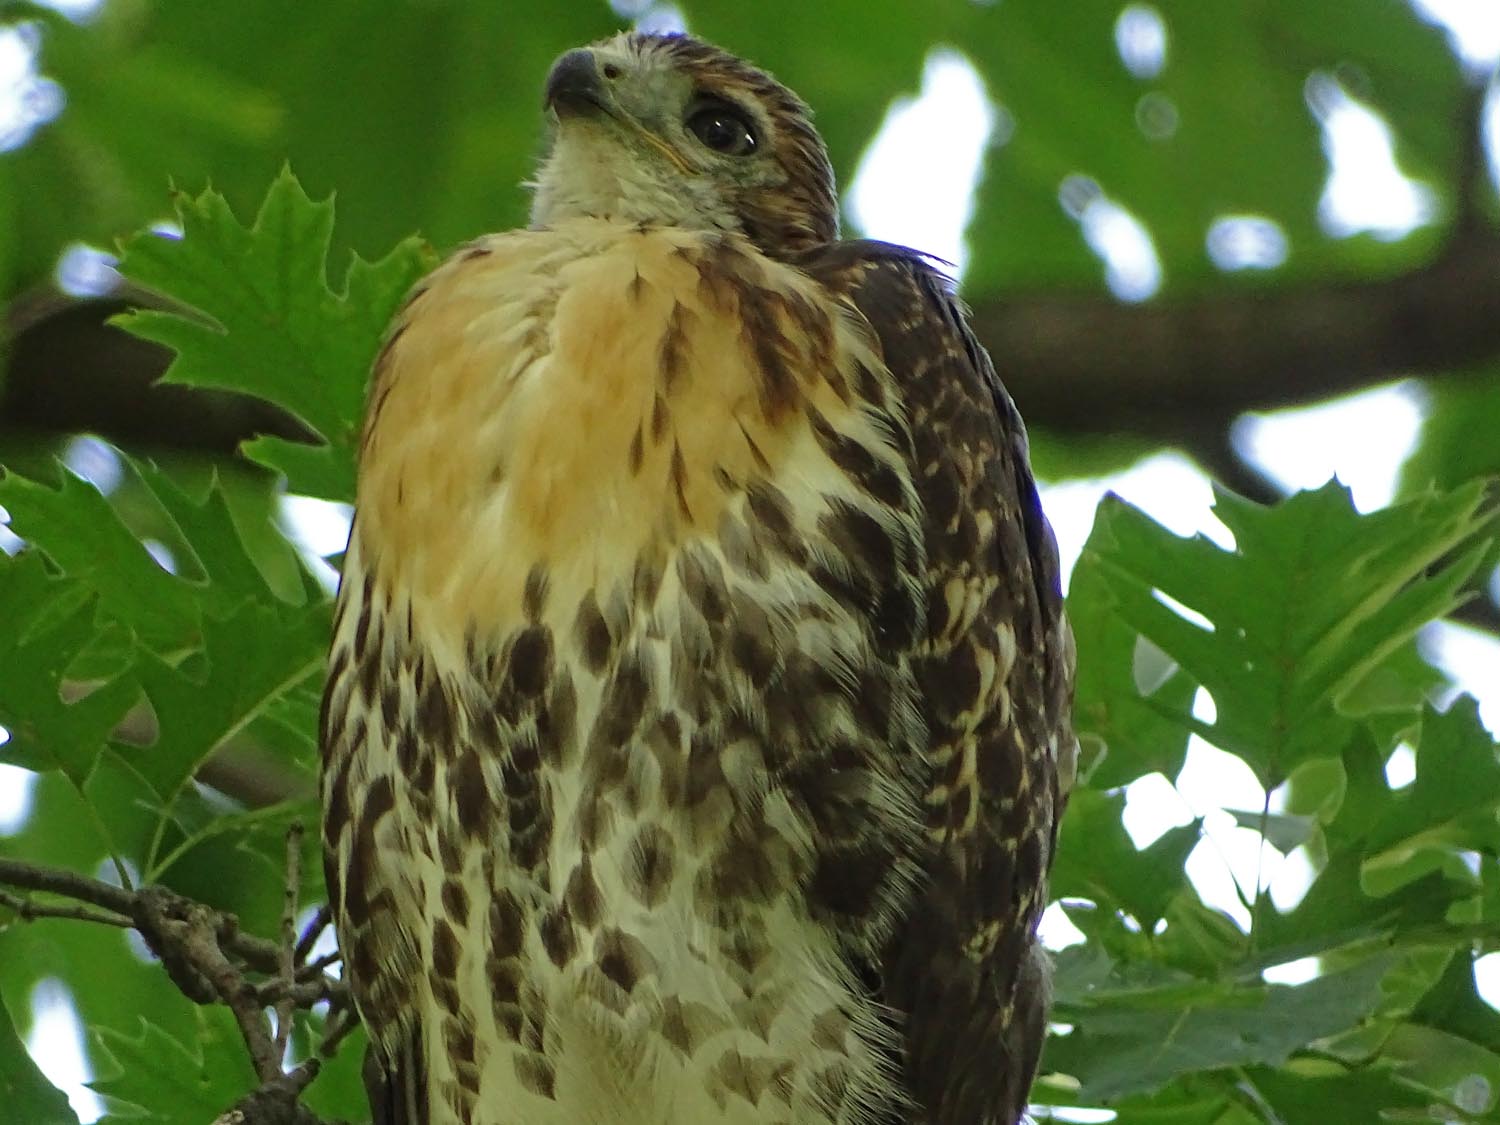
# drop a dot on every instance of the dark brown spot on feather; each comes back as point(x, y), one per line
point(762, 336)
point(506, 978)
point(876, 476)
point(741, 549)
point(951, 687)
point(649, 866)
point(772, 521)
point(637, 455)
point(595, 820)
point(435, 712)
point(760, 458)
point(529, 665)
point(593, 634)
point(672, 357)
point(555, 721)
point(519, 779)
point(582, 895)
point(456, 901)
point(703, 584)
point(715, 287)
point(444, 949)
point(753, 645)
point(380, 798)
point(558, 937)
point(620, 712)
point(508, 1016)
point(471, 794)
point(867, 383)
point(534, 1072)
point(661, 418)
point(861, 539)
point(390, 705)
point(366, 616)
point(678, 472)
point(704, 775)
point(830, 1031)
point(507, 925)
point(336, 801)
point(622, 958)
point(848, 881)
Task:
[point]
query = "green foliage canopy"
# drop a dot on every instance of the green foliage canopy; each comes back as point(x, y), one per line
point(1302, 631)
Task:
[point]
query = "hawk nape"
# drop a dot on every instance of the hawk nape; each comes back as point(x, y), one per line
point(700, 680)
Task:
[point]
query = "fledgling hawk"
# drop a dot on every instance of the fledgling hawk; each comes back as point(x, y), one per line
point(700, 679)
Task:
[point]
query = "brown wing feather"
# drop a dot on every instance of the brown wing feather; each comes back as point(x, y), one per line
point(995, 675)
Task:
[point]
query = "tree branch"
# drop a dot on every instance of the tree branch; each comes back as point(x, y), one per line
point(210, 960)
point(1088, 364)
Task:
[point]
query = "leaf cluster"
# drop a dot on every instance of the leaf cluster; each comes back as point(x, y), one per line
point(164, 637)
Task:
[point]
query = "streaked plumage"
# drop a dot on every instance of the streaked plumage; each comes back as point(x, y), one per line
point(699, 678)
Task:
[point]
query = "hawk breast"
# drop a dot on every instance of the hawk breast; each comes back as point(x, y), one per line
point(622, 649)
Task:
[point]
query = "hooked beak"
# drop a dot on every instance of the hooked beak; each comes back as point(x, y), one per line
point(575, 85)
point(576, 88)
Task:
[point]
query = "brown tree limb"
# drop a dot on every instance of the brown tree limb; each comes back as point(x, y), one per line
point(211, 961)
point(1086, 364)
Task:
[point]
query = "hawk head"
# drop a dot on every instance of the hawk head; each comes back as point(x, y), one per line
point(668, 129)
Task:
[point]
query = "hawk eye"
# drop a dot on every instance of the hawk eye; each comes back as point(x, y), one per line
point(722, 128)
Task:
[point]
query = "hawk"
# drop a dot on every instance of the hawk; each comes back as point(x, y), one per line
point(699, 686)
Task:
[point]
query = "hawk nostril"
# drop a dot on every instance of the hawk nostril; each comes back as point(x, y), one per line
point(611, 71)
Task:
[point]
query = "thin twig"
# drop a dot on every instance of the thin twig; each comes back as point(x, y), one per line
point(16, 873)
point(312, 932)
point(318, 967)
point(259, 954)
point(210, 960)
point(288, 975)
point(28, 910)
point(341, 1021)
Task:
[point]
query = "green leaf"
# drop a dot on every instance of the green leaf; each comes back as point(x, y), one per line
point(264, 321)
point(75, 526)
point(1283, 831)
point(1124, 1044)
point(1313, 599)
point(201, 705)
point(338, 1093)
point(1417, 879)
point(1313, 1093)
point(1142, 725)
point(1199, 939)
point(24, 1090)
point(49, 622)
point(171, 1080)
point(1098, 861)
point(1452, 806)
point(227, 575)
point(1461, 1073)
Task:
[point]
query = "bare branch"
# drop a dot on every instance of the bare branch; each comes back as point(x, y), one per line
point(288, 975)
point(1086, 364)
point(211, 961)
point(29, 911)
point(314, 930)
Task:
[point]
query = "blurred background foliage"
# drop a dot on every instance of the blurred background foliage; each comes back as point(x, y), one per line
point(1156, 246)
